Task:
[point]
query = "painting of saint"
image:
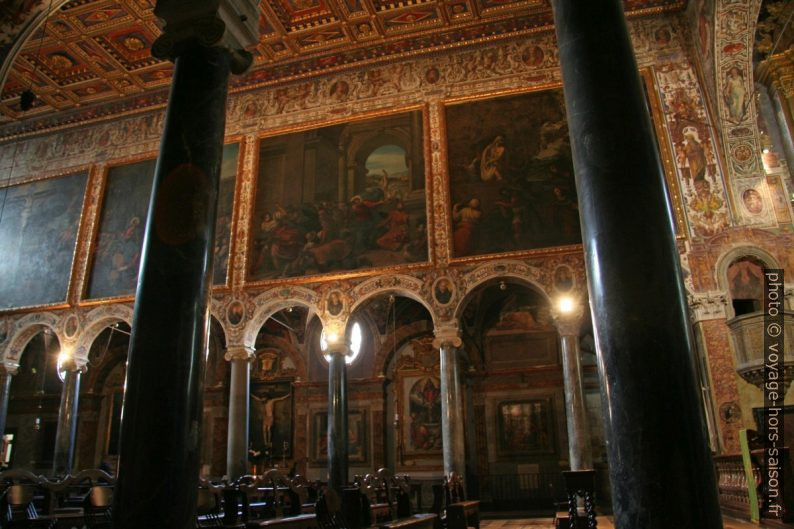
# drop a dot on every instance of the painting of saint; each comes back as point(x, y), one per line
point(223, 220)
point(752, 201)
point(117, 250)
point(37, 239)
point(525, 427)
point(344, 197)
point(423, 410)
point(335, 303)
point(511, 175)
point(735, 94)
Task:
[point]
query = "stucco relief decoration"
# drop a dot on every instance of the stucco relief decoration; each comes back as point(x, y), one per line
point(734, 34)
point(501, 268)
point(690, 132)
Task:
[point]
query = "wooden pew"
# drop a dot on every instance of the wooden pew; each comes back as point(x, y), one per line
point(398, 496)
point(283, 504)
point(453, 509)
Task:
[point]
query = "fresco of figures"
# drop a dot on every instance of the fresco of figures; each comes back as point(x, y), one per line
point(37, 240)
point(511, 174)
point(344, 197)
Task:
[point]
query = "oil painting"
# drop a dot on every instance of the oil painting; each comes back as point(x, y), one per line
point(422, 412)
point(356, 436)
point(270, 423)
point(38, 230)
point(525, 427)
point(223, 219)
point(511, 175)
point(117, 251)
point(338, 198)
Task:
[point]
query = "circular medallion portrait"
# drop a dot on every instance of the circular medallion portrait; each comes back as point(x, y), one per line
point(235, 312)
point(71, 325)
point(335, 303)
point(443, 291)
point(563, 278)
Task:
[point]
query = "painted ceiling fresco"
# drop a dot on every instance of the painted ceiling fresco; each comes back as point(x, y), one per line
point(95, 51)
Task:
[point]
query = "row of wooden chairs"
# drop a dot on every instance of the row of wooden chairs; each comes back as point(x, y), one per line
point(270, 499)
point(31, 501)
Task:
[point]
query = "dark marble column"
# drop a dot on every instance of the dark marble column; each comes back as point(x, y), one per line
point(160, 449)
point(6, 375)
point(63, 458)
point(337, 417)
point(659, 461)
point(579, 446)
point(452, 428)
point(237, 436)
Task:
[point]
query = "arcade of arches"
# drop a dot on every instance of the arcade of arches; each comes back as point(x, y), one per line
point(426, 199)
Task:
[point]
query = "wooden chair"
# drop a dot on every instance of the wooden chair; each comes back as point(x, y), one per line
point(453, 509)
point(19, 512)
point(329, 511)
point(97, 507)
point(208, 509)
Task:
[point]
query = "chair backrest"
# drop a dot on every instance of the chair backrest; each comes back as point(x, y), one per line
point(19, 495)
point(206, 501)
point(100, 497)
point(328, 510)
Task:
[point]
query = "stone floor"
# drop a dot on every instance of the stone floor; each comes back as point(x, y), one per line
point(604, 522)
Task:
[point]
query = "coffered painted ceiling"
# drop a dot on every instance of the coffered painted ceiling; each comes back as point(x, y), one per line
point(97, 51)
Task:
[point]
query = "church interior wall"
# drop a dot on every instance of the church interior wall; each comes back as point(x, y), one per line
point(703, 179)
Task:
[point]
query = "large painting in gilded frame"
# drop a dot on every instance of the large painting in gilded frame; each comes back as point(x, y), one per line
point(117, 247)
point(357, 436)
point(343, 197)
point(511, 174)
point(421, 411)
point(525, 427)
point(38, 233)
point(225, 215)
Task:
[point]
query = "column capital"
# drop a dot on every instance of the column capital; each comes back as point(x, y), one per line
point(339, 348)
point(238, 352)
point(9, 367)
point(231, 24)
point(73, 364)
point(568, 323)
point(447, 335)
point(705, 306)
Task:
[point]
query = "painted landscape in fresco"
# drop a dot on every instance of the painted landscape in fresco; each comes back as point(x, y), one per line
point(38, 231)
point(511, 175)
point(344, 197)
point(118, 245)
point(223, 220)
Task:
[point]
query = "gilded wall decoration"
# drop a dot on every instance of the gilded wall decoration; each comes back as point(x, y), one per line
point(339, 198)
point(511, 175)
point(117, 251)
point(224, 219)
point(38, 233)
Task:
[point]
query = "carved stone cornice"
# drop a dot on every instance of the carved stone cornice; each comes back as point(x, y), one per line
point(447, 335)
point(704, 306)
point(239, 352)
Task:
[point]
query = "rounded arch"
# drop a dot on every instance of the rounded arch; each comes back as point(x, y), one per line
point(97, 321)
point(388, 348)
point(729, 256)
point(274, 300)
point(401, 285)
point(519, 272)
point(26, 328)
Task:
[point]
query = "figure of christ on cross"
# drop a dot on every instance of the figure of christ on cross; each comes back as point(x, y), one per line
point(266, 409)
